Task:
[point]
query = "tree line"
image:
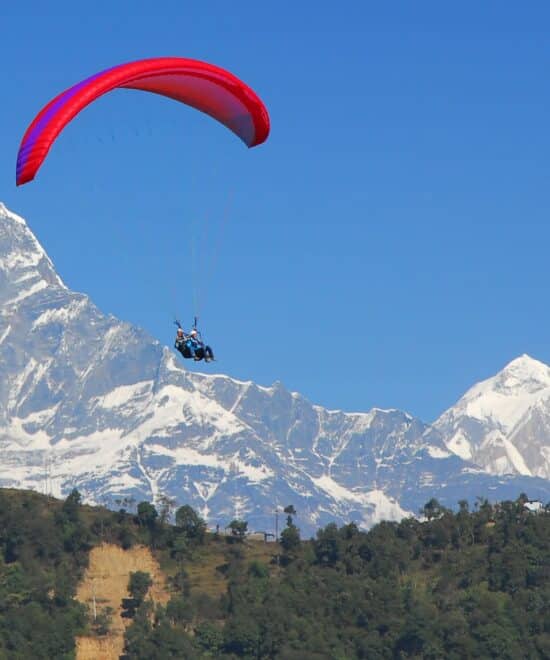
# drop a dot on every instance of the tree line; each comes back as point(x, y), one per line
point(454, 584)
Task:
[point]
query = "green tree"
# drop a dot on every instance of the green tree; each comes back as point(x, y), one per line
point(71, 506)
point(238, 529)
point(139, 584)
point(147, 514)
point(433, 509)
point(290, 539)
point(327, 547)
point(179, 610)
point(209, 637)
point(258, 569)
point(241, 636)
point(290, 511)
point(190, 523)
point(180, 548)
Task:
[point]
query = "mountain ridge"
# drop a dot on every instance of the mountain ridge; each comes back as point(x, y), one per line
point(91, 402)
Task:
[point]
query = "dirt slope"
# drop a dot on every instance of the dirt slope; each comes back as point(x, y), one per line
point(107, 577)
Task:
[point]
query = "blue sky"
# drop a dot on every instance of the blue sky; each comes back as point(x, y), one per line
point(388, 245)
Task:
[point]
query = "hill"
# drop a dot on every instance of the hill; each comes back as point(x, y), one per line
point(455, 585)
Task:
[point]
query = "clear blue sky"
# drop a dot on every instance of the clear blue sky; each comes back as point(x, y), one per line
point(389, 244)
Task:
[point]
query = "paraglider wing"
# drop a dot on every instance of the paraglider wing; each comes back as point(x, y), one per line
point(203, 86)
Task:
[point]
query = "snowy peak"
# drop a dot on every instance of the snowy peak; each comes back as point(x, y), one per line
point(6, 213)
point(503, 399)
point(524, 375)
point(25, 268)
point(487, 424)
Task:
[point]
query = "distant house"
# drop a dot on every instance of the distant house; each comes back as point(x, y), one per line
point(534, 506)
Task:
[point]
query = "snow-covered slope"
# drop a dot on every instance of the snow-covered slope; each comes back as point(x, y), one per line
point(88, 401)
point(503, 423)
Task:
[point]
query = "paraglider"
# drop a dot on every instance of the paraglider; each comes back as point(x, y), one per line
point(206, 87)
point(190, 344)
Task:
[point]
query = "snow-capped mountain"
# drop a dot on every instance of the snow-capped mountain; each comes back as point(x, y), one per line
point(88, 401)
point(503, 423)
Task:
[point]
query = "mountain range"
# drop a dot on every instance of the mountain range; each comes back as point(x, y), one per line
point(90, 402)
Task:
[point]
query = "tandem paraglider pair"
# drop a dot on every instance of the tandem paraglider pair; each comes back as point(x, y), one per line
point(190, 345)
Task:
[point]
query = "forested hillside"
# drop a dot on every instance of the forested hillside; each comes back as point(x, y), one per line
point(461, 584)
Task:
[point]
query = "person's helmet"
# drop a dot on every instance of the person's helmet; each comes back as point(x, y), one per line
point(180, 331)
point(193, 332)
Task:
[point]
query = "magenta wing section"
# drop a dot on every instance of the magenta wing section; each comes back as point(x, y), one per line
point(203, 86)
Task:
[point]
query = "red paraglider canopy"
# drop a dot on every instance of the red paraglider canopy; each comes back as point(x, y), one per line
point(203, 86)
